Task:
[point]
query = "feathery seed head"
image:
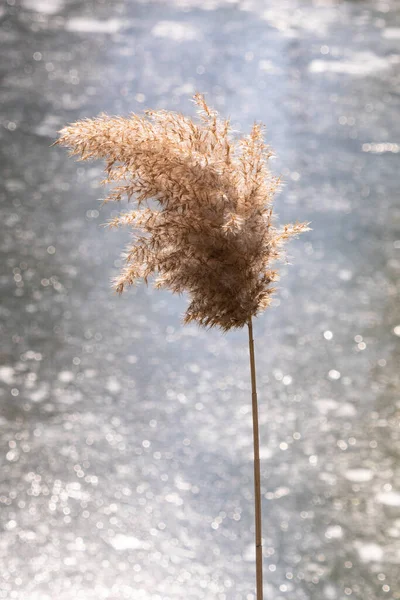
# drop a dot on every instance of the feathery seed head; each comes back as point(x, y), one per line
point(210, 231)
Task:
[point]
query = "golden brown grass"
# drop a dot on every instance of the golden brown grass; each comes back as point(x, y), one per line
point(203, 222)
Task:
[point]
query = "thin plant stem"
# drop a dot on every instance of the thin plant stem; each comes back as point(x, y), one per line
point(257, 478)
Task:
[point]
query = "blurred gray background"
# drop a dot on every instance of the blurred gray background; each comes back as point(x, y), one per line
point(126, 438)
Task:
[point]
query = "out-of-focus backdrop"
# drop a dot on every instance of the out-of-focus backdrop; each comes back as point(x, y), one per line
point(126, 438)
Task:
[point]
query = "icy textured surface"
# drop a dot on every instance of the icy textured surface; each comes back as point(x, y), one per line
point(126, 439)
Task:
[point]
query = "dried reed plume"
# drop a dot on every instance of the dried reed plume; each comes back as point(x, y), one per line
point(210, 232)
point(203, 223)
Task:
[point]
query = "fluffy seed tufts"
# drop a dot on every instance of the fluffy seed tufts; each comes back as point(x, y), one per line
point(203, 221)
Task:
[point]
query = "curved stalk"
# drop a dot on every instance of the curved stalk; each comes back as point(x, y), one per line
point(257, 478)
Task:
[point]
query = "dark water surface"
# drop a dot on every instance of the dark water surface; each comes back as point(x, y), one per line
point(126, 438)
